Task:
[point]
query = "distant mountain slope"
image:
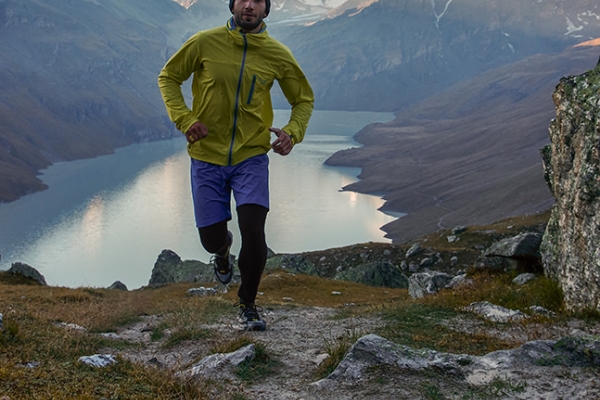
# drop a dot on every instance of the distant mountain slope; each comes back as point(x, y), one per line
point(469, 155)
point(79, 77)
point(393, 53)
point(78, 80)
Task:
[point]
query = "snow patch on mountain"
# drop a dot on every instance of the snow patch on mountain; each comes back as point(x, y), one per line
point(439, 16)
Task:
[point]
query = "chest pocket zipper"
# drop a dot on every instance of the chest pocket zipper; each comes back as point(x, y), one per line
point(251, 90)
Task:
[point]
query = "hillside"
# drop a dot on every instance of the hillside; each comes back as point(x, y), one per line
point(157, 334)
point(80, 80)
point(469, 155)
point(388, 55)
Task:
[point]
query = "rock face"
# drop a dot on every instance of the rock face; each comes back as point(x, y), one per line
point(571, 244)
point(169, 268)
point(28, 272)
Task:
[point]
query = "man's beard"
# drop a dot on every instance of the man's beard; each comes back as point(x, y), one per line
point(248, 26)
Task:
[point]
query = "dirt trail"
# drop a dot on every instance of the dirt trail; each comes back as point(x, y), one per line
point(297, 338)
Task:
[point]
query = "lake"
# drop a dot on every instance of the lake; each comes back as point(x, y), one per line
point(108, 218)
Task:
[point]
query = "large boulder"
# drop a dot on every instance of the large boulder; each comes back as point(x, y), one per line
point(27, 272)
point(295, 263)
point(169, 268)
point(523, 248)
point(381, 274)
point(427, 283)
point(571, 244)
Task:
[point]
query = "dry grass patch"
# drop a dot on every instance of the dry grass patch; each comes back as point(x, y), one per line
point(39, 358)
point(281, 286)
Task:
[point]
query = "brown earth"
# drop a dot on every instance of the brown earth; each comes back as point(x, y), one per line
point(469, 156)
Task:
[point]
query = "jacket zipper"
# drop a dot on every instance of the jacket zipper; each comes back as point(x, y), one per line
point(237, 99)
point(251, 89)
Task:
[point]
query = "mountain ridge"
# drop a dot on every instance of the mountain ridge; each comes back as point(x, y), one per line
point(80, 78)
point(469, 155)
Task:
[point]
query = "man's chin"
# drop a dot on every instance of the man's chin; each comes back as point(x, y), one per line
point(248, 24)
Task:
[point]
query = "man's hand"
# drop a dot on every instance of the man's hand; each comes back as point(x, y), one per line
point(196, 132)
point(283, 144)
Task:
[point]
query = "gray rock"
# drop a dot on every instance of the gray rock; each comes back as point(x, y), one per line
point(202, 292)
point(294, 263)
point(28, 272)
point(169, 268)
point(372, 350)
point(495, 313)
point(414, 249)
point(426, 262)
point(523, 246)
point(452, 238)
point(1, 326)
point(413, 266)
point(70, 325)
point(98, 360)
point(524, 278)
point(221, 365)
point(118, 285)
point(542, 311)
point(571, 243)
point(427, 283)
point(459, 281)
point(495, 263)
point(458, 229)
point(380, 274)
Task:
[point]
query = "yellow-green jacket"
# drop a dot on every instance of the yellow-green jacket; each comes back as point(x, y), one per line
point(233, 75)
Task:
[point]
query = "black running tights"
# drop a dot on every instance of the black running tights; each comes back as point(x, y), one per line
point(253, 253)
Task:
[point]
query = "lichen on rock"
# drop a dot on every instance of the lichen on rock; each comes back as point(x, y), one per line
point(571, 244)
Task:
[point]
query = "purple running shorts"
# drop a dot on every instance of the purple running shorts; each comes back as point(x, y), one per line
point(212, 186)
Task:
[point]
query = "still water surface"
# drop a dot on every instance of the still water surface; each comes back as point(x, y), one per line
point(108, 218)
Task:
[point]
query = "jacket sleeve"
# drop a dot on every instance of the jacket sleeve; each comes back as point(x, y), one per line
point(299, 94)
point(176, 71)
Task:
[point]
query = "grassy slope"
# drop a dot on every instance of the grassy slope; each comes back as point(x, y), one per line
point(31, 314)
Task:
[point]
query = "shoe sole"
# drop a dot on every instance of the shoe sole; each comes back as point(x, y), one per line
point(226, 278)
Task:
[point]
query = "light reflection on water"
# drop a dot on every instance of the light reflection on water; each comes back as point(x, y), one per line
point(117, 233)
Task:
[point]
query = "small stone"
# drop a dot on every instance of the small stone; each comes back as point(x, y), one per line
point(542, 311)
point(72, 326)
point(98, 360)
point(336, 293)
point(321, 358)
point(202, 292)
point(288, 299)
point(458, 229)
point(414, 249)
point(426, 262)
point(524, 278)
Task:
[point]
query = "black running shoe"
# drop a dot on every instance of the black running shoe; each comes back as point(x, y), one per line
point(249, 317)
point(224, 264)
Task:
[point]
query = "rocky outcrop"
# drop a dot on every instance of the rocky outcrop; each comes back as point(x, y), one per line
point(427, 283)
point(383, 274)
point(540, 357)
point(523, 249)
point(27, 272)
point(571, 244)
point(169, 268)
